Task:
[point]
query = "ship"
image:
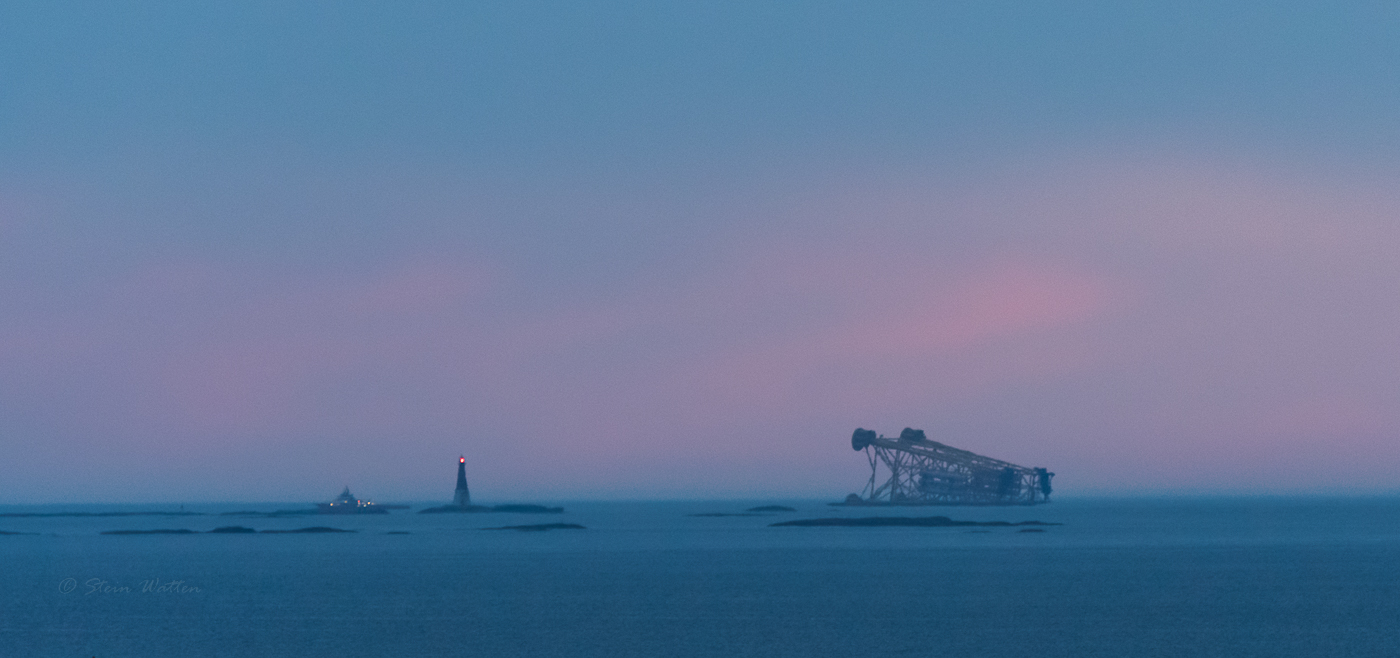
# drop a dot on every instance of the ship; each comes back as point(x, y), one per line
point(347, 503)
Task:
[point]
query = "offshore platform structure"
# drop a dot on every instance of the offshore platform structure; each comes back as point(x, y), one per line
point(924, 472)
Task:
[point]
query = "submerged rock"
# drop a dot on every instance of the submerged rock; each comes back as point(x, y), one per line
point(102, 514)
point(903, 521)
point(271, 515)
point(541, 527)
point(455, 509)
point(312, 530)
point(181, 531)
point(528, 509)
point(481, 509)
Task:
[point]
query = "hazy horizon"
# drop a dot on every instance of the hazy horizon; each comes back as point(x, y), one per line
point(1136, 497)
point(637, 251)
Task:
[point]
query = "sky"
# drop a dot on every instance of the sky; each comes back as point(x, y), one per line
point(259, 251)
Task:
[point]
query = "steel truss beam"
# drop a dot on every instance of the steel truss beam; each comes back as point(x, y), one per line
point(924, 472)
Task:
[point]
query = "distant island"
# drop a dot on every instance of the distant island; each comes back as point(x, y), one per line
point(271, 515)
point(462, 500)
point(181, 531)
point(55, 514)
point(225, 530)
point(541, 527)
point(762, 510)
point(313, 530)
point(479, 509)
point(903, 521)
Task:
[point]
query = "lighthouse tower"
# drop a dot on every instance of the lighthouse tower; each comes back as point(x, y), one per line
point(463, 497)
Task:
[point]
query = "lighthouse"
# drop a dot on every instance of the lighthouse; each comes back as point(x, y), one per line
point(463, 497)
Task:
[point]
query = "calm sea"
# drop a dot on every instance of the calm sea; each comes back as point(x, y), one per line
point(1221, 577)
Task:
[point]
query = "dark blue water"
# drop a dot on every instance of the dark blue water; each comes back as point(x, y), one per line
point(1232, 577)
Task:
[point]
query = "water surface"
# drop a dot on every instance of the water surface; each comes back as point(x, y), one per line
point(1211, 577)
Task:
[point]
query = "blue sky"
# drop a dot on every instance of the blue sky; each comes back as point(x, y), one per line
point(649, 250)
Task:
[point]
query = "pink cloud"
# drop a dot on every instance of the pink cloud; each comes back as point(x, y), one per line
point(958, 337)
point(1002, 299)
point(1177, 319)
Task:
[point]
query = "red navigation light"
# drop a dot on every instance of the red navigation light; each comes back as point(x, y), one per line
point(461, 460)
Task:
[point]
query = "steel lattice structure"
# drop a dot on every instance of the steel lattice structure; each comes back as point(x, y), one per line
point(924, 472)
